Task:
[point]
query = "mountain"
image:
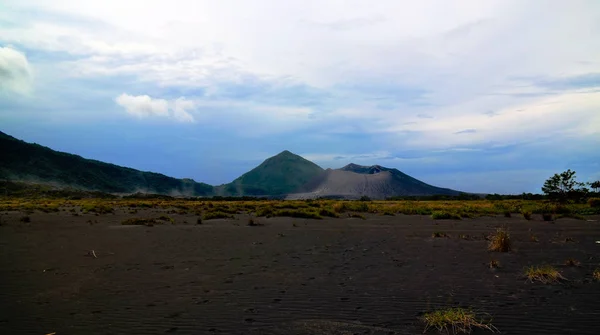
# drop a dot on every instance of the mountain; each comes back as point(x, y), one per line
point(281, 174)
point(376, 182)
point(22, 161)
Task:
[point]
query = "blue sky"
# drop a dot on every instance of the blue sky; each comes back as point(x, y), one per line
point(480, 96)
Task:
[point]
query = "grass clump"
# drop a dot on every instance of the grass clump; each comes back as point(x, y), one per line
point(526, 214)
point(500, 241)
point(216, 215)
point(97, 208)
point(139, 222)
point(25, 219)
point(455, 321)
point(328, 212)
point(254, 223)
point(596, 274)
point(545, 274)
point(305, 214)
point(494, 264)
point(572, 262)
point(442, 215)
point(166, 218)
point(439, 234)
point(547, 216)
point(507, 214)
point(357, 216)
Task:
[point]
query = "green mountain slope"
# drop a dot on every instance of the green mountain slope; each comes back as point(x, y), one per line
point(23, 161)
point(278, 175)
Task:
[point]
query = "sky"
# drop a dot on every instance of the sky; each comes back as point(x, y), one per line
point(480, 96)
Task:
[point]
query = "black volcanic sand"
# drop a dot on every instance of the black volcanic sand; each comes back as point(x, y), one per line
point(290, 276)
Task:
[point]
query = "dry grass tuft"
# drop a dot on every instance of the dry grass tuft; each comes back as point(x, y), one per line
point(545, 274)
point(438, 234)
point(455, 321)
point(526, 215)
point(596, 274)
point(534, 238)
point(494, 264)
point(500, 241)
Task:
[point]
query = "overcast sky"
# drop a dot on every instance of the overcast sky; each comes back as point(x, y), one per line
point(481, 96)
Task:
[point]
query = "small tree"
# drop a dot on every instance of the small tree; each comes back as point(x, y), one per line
point(595, 185)
point(564, 186)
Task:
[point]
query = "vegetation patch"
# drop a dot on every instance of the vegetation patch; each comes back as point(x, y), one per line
point(442, 215)
point(594, 202)
point(455, 321)
point(439, 234)
point(494, 264)
point(357, 216)
point(140, 222)
point(596, 274)
point(500, 241)
point(328, 212)
point(97, 208)
point(25, 219)
point(547, 216)
point(297, 214)
point(216, 215)
point(526, 214)
point(545, 274)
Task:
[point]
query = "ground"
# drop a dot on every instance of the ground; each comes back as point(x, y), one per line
point(288, 276)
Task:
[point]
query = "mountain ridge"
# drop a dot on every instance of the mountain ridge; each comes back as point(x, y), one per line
point(284, 174)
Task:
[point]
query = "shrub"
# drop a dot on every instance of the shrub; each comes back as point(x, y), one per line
point(500, 241)
point(594, 202)
point(253, 223)
point(596, 274)
point(545, 274)
point(507, 214)
point(25, 219)
point(494, 264)
point(526, 214)
point(439, 234)
point(455, 320)
point(547, 217)
point(199, 221)
point(441, 215)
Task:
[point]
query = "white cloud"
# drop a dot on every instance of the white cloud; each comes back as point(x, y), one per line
point(15, 71)
point(145, 106)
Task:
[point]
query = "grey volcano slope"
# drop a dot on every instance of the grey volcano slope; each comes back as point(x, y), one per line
point(278, 175)
point(33, 163)
point(376, 182)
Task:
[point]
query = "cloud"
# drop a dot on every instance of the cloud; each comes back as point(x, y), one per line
point(143, 106)
point(15, 71)
point(466, 131)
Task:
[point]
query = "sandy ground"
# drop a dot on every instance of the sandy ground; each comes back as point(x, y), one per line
point(290, 276)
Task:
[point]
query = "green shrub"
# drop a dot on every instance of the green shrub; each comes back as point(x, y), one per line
point(441, 215)
point(526, 214)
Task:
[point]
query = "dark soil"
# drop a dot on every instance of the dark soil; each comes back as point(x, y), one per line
point(287, 276)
